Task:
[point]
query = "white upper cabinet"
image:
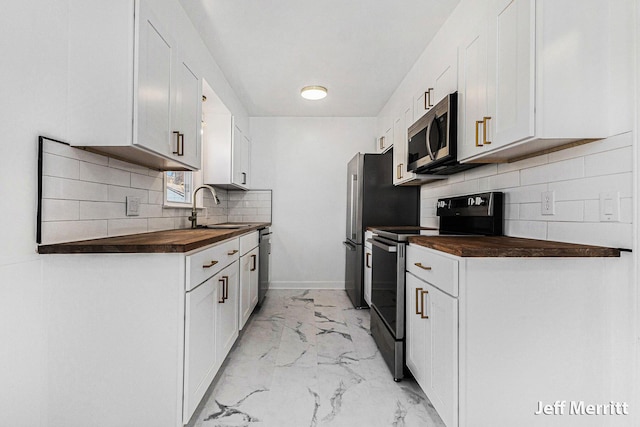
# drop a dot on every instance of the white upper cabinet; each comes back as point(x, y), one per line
point(441, 80)
point(385, 131)
point(131, 93)
point(188, 114)
point(473, 101)
point(547, 68)
point(227, 152)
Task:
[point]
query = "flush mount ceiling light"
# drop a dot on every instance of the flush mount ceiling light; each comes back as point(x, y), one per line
point(313, 92)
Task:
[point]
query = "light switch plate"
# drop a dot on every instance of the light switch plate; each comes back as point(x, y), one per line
point(133, 206)
point(610, 206)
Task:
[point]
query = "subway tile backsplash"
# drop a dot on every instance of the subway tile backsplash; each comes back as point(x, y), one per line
point(577, 175)
point(84, 197)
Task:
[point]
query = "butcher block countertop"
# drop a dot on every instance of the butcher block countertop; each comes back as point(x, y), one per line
point(503, 246)
point(168, 241)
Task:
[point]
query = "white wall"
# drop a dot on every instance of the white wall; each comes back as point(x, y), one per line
point(33, 88)
point(304, 161)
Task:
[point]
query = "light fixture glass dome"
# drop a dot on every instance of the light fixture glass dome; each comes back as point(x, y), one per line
point(313, 92)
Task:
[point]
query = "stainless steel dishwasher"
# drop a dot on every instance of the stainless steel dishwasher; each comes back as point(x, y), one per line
point(264, 257)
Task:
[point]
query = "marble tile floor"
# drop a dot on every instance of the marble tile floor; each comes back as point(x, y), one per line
point(306, 358)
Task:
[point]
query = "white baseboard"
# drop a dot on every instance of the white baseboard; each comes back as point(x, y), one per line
point(306, 285)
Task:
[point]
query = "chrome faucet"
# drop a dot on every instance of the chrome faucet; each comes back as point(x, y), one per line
point(194, 213)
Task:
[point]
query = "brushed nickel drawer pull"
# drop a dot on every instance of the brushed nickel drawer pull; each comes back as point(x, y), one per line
point(367, 260)
point(211, 264)
point(382, 142)
point(423, 313)
point(253, 259)
point(233, 252)
point(419, 264)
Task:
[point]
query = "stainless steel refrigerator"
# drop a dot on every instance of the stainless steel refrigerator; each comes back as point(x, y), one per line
point(373, 200)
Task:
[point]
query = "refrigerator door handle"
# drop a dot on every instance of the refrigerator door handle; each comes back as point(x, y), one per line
point(354, 213)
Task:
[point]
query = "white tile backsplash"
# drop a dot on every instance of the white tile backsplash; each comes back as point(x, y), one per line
point(84, 197)
point(70, 189)
point(62, 167)
point(577, 176)
point(104, 174)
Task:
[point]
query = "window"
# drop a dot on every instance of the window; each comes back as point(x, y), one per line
point(178, 186)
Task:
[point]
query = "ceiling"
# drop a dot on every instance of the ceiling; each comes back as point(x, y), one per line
point(360, 50)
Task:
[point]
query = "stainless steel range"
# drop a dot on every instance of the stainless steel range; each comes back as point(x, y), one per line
point(475, 214)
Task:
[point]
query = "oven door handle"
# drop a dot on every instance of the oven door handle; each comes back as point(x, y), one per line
point(382, 246)
point(349, 246)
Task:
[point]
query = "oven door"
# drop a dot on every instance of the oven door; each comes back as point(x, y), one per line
point(387, 284)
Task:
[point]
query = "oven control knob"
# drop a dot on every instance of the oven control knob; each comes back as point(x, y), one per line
point(480, 201)
point(471, 201)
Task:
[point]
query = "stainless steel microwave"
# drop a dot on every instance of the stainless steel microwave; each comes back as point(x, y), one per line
point(432, 146)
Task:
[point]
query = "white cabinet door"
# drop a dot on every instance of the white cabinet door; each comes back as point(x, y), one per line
point(227, 309)
point(154, 89)
point(423, 101)
point(200, 362)
point(253, 289)
point(513, 115)
point(248, 285)
point(385, 141)
point(236, 161)
point(246, 160)
point(473, 94)
point(416, 332)
point(399, 150)
point(188, 116)
point(446, 80)
point(441, 375)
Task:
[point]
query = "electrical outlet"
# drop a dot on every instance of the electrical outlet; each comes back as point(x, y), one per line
point(133, 206)
point(610, 207)
point(548, 203)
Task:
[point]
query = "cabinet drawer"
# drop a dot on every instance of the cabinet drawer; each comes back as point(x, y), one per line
point(248, 242)
point(439, 270)
point(204, 264)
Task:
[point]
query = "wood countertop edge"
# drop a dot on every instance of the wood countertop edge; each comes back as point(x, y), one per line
point(563, 250)
point(104, 246)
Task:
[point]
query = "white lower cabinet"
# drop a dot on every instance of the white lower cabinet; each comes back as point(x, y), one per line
point(488, 339)
point(158, 326)
point(211, 318)
point(227, 310)
point(432, 345)
point(248, 285)
point(200, 361)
